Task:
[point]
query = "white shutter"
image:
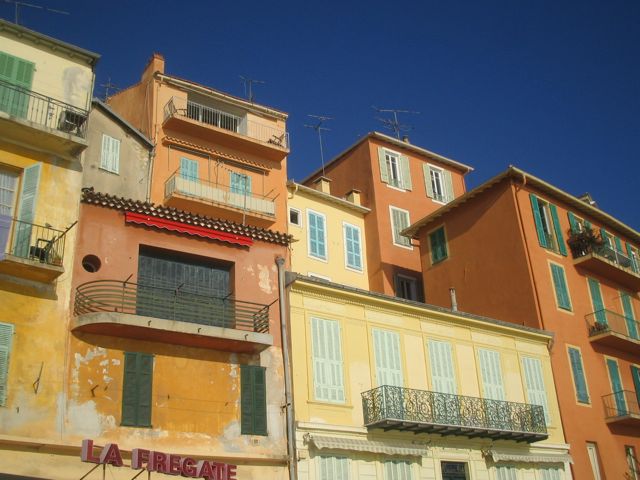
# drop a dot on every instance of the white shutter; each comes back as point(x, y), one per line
point(506, 473)
point(397, 470)
point(536, 393)
point(115, 155)
point(491, 374)
point(105, 154)
point(550, 474)
point(6, 338)
point(427, 179)
point(406, 172)
point(327, 360)
point(27, 210)
point(382, 161)
point(333, 468)
point(386, 347)
point(442, 371)
point(448, 186)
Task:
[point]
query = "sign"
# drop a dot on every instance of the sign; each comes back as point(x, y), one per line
point(159, 462)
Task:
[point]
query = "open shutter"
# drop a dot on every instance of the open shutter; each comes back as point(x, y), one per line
point(448, 186)
point(635, 374)
point(618, 244)
point(427, 180)
point(406, 172)
point(386, 346)
point(105, 156)
point(616, 386)
point(633, 258)
point(605, 237)
point(632, 326)
point(596, 300)
point(556, 226)
point(534, 381)
point(6, 338)
point(542, 238)
point(573, 222)
point(578, 375)
point(491, 374)
point(442, 371)
point(382, 161)
point(26, 210)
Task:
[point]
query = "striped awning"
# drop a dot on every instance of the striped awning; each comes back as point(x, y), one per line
point(528, 457)
point(321, 442)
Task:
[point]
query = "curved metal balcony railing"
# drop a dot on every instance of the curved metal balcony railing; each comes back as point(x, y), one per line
point(408, 409)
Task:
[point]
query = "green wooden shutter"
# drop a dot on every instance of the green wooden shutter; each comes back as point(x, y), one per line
point(253, 400)
point(438, 244)
point(18, 72)
point(6, 339)
point(635, 374)
point(596, 300)
point(534, 382)
point(327, 360)
point(605, 237)
point(542, 237)
point(442, 371)
point(24, 75)
point(386, 347)
point(448, 186)
point(137, 397)
point(560, 285)
point(618, 244)
point(26, 210)
point(491, 373)
point(406, 172)
point(616, 386)
point(145, 393)
point(632, 326)
point(578, 375)
point(633, 258)
point(556, 226)
point(382, 161)
point(573, 223)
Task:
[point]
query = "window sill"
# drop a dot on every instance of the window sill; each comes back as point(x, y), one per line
point(406, 247)
point(320, 259)
point(399, 189)
point(109, 171)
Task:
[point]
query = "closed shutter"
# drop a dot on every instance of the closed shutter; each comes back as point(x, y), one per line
point(137, 389)
point(556, 226)
point(550, 474)
point(327, 360)
point(382, 161)
point(491, 374)
point(534, 381)
point(560, 285)
point(506, 473)
point(317, 246)
point(635, 374)
point(115, 155)
point(26, 210)
point(386, 347)
point(426, 170)
point(629, 317)
point(406, 173)
point(110, 155)
point(397, 470)
point(616, 386)
point(542, 237)
point(596, 300)
point(448, 186)
point(18, 72)
point(333, 468)
point(6, 339)
point(353, 247)
point(400, 220)
point(253, 400)
point(438, 245)
point(442, 371)
point(578, 375)
point(188, 169)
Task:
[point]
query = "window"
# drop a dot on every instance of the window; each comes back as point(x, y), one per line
point(579, 380)
point(534, 383)
point(353, 247)
point(23, 208)
point(386, 347)
point(635, 376)
point(19, 72)
point(454, 470)
point(550, 473)
point(596, 301)
point(240, 183)
point(317, 235)
point(394, 169)
point(547, 223)
point(110, 155)
point(6, 339)
point(399, 221)
point(491, 373)
point(397, 470)
point(592, 452)
point(632, 461)
point(506, 472)
point(619, 405)
point(438, 183)
point(333, 468)
point(560, 286)
point(253, 400)
point(438, 243)
point(295, 217)
point(629, 317)
point(189, 169)
point(577, 224)
point(407, 288)
point(328, 383)
point(136, 390)
point(8, 191)
point(632, 252)
point(442, 372)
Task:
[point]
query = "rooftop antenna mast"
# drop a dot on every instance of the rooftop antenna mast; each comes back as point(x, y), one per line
point(394, 124)
point(248, 82)
point(319, 128)
point(18, 4)
point(108, 86)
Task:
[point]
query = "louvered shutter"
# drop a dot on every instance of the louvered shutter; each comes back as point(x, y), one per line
point(605, 237)
point(137, 395)
point(426, 170)
point(18, 72)
point(188, 169)
point(491, 374)
point(333, 468)
point(6, 339)
point(542, 237)
point(442, 371)
point(635, 374)
point(633, 258)
point(253, 400)
point(560, 284)
point(26, 210)
point(115, 155)
point(145, 394)
point(320, 237)
point(105, 156)
point(397, 470)
point(353, 247)
point(632, 326)
point(448, 186)
point(246, 400)
point(578, 375)
point(506, 473)
point(327, 360)
point(596, 300)
point(534, 381)
point(130, 390)
point(550, 474)
point(616, 386)
point(386, 346)
point(618, 244)
point(556, 226)
point(406, 173)
point(573, 222)
point(382, 161)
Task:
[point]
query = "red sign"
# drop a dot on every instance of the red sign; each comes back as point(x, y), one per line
point(159, 462)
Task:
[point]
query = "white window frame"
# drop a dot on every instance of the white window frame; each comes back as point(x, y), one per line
point(310, 254)
point(299, 212)
point(15, 176)
point(107, 164)
point(393, 158)
point(592, 453)
point(346, 225)
point(442, 196)
point(393, 227)
point(317, 275)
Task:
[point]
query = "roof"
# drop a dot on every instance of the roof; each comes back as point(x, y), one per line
point(328, 197)
point(19, 31)
point(90, 196)
point(398, 144)
point(529, 180)
point(126, 125)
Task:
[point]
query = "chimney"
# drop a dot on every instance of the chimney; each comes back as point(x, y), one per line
point(454, 300)
point(405, 139)
point(586, 198)
point(323, 184)
point(155, 64)
point(353, 196)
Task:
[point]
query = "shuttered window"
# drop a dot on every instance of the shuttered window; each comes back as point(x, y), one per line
point(188, 168)
point(550, 474)
point(333, 468)
point(629, 317)
point(635, 375)
point(137, 390)
point(317, 235)
point(18, 72)
point(491, 373)
point(548, 226)
point(442, 371)
point(534, 383)
point(328, 382)
point(438, 244)
point(577, 370)
point(632, 252)
point(6, 339)
point(8, 190)
point(353, 247)
point(397, 470)
point(110, 155)
point(240, 183)
point(616, 389)
point(26, 211)
point(560, 286)
point(438, 183)
point(506, 472)
point(394, 169)
point(386, 347)
point(253, 400)
point(596, 301)
point(399, 221)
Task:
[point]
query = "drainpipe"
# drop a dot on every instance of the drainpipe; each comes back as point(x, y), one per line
point(291, 438)
point(454, 301)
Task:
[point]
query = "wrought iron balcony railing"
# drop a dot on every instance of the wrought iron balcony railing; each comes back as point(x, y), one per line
point(32, 242)
point(42, 110)
point(181, 107)
point(170, 304)
point(624, 403)
point(408, 409)
point(606, 321)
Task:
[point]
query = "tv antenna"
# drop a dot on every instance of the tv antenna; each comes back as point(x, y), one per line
point(108, 86)
point(18, 4)
point(393, 123)
point(248, 82)
point(319, 128)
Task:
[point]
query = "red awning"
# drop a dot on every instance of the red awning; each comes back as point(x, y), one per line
point(174, 226)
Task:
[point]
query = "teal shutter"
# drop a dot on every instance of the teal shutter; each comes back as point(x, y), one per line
point(448, 186)
point(556, 226)
point(618, 244)
point(633, 258)
point(629, 317)
point(188, 169)
point(327, 360)
point(560, 285)
point(253, 400)
point(18, 72)
point(438, 243)
point(596, 300)
point(406, 172)
point(573, 223)
point(605, 237)
point(442, 371)
point(426, 170)
point(353, 247)
point(578, 375)
point(491, 373)
point(6, 339)
point(27, 210)
point(635, 374)
point(542, 237)
point(317, 240)
point(534, 382)
point(137, 389)
point(382, 161)
point(616, 386)
point(386, 348)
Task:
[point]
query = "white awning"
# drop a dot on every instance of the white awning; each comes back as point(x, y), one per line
point(528, 457)
point(388, 448)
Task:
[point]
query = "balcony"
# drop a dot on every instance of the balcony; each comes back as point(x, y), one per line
point(614, 330)
point(225, 128)
point(40, 121)
point(187, 193)
point(621, 408)
point(31, 251)
point(418, 411)
point(124, 309)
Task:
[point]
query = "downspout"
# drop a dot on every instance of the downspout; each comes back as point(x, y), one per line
point(152, 154)
point(291, 439)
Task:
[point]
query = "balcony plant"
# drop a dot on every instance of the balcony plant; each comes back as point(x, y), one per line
point(598, 327)
point(584, 241)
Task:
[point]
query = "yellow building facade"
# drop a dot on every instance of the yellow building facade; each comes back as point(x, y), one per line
point(393, 389)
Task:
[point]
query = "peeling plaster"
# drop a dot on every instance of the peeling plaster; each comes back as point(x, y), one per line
point(84, 419)
point(84, 360)
point(264, 279)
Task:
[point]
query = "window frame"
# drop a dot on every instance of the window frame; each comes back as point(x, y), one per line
point(393, 159)
point(345, 226)
point(595, 467)
point(439, 182)
point(299, 212)
point(310, 254)
point(108, 165)
point(413, 281)
point(409, 245)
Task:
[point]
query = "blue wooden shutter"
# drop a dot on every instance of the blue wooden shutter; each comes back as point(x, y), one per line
point(556, 226)
point(6, 339)
point(491, 373)
point(616, 386)
point(635, 374)
point(629, 317)
point(534, 382)
point(253, 400)
point(382, 161)
point(596, 300)
point(578, 375)
point(27, 210)
point(573, 222)
point(542, 237)
point(317, 242)
point(560, 285)
point(442, 370)
point(386, 348)
point(353, 247)
point(188, 169)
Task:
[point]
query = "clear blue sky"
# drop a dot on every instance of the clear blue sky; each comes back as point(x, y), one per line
point(551, 87)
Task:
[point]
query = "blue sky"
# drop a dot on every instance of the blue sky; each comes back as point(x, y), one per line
point(551, 87)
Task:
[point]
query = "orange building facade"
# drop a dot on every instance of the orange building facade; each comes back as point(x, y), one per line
point(521, 250)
